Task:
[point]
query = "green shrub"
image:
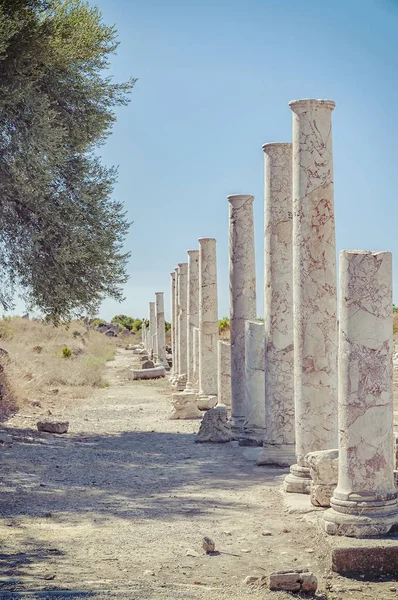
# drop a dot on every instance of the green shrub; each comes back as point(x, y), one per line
point(66, 352)
point(223, 324)
point(97, 322)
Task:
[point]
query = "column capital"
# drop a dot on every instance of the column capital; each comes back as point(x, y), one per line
point(158, 293)
point(182, 265)
point(236, 199)
point(298, 106)
point(204, 240)
point(271, 147)
point(173, 274)
point(192, 252)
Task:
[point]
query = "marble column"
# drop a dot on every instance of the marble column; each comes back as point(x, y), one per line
point(364, 503)
point(254, 425)
point(174, 378)
point(173, 319)
point(195, 383)
point(208, 323)
point(182, 325)
point(279, 446)
point(242, 290)
point(314, 287)
point(224, 373)
point(143, 335)
point(152, 327)
point(192, 311)
point(161, 330)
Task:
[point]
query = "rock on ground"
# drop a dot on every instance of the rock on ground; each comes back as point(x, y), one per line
point(215, 427)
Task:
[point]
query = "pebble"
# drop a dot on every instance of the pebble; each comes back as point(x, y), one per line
point(149, 573)
point(191, 552)
point(266, 533)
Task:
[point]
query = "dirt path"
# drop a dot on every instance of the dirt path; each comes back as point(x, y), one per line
point(111, 509)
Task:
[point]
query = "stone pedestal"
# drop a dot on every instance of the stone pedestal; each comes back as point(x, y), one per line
point(208, 323)
point(254, 425)
point(224, 373)
point(152, 327)
point(173, 321)
point(192, 313)
point(161, 330)
point(242, 289)
point(314, 287)
point(279, 447)
point(364, 502)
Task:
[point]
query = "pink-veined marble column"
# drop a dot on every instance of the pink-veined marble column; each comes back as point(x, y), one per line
point(364, 503)
point(279, 446)
point(242, 291)
point(314, 287)
point(208, 323)
point(182, 324)
point(173, 319)
point(192, 312)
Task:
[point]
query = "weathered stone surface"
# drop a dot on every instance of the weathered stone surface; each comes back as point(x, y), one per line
point(185, 406)
point(206, 402)
point(324, 466)
point(242, 286)
point(378, 560)
point(254, 424)
point(182, 298)
point(160, 330)
point(255, 580)
point(314, 286)
point(320, 494)
point(215, 426)
point(224, 373)
point(148, 364)
point(293, 581)
point(53, 426)
point(192, 317)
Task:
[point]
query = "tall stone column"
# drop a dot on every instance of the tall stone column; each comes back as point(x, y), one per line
point(173, 320)
point(242, 290)
point(195, 383)
point(182, 325)
point(364, 503)
point(224, 373)
point(279, 446)
point(152, 327)
point(143, 335)
point(208, 323)
point(254, 425)
point(161, 330)
point(176, 330)
point(192, 311)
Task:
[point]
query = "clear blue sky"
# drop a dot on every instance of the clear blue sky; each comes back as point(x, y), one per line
point(215, 79)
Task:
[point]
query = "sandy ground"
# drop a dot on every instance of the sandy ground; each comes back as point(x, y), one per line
point(111, 509)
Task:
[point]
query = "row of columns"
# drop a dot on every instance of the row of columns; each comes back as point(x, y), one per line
point(280, 378)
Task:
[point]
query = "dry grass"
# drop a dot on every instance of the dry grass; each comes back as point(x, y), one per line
point(36, 368)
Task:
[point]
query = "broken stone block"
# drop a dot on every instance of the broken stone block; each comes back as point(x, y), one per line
point(53, 426)
point(215, 427)
point(324, 466)
point(184, 405)
point(147, 364)
point(300, 580)
point(206, 402)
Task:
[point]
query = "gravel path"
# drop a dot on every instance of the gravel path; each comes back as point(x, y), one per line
point(111, 509)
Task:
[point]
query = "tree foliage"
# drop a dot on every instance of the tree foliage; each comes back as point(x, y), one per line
point(61, 233)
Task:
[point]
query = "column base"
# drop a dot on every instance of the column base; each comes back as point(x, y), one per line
point(205, 402)
point(298, 481)
point(237, 425)
point(360, 519)
point(278, 455)
point(185, 406)
point(252, 436)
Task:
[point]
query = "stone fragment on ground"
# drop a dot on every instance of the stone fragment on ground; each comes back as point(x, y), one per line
point(5, 438)
point(208, 545)
point(255, 580)
point(300, 580)
point(185, 407)
point(53, 426)
point(147, 364)
point(215, 427)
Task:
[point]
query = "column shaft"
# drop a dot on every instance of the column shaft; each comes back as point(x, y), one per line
point(161, 329)
point(314, 286)
point(224, 373)
point(152, 327)
point(242, 288)
point(192, 310)
point(254, 425)
point(182, 324)
point(364, 503)
point(279, 448)
point(173, 319)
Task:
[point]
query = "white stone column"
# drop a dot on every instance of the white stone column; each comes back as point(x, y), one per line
point(161, 330)
point(254, 425)
point(143, 335)
point(176, 330)
point(208, 323)
point(364, 503)
point(314, 287)
point(242, 289)
point(182, 325)
point(173, 320)
point(195, 383)
point(152, 327)
point(279, 446)
point(192, 311)
point(224, 373)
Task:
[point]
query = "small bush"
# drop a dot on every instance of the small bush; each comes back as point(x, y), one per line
point(66, 352)
point(223, 324)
